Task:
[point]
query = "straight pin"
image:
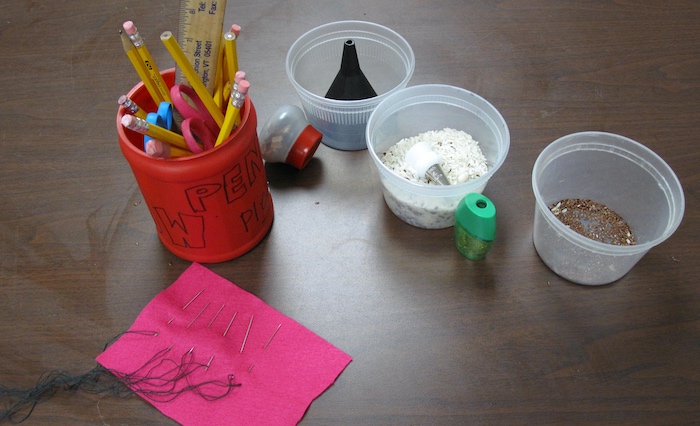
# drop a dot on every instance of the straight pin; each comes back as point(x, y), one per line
point(230, 322)
point(193, 299)
point(246, 333)
point(209, 363)
point(200, 313)
point(170, 320)
point(217, 314)
point(273, 335)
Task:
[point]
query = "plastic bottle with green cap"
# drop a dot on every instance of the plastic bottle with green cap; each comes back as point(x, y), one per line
point(475, 226)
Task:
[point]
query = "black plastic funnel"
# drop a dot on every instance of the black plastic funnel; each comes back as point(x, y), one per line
point(350, 84)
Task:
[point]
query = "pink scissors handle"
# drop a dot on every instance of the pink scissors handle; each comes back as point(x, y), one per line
point(194, 130)
point(187, 110)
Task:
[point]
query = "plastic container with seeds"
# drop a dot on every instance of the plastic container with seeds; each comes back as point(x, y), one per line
point(612, 171)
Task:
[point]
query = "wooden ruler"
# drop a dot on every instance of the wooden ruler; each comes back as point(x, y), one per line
point(199, 35)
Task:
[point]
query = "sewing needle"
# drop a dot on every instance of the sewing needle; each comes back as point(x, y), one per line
point(273, 335)
point(193, 299)
point(200, 313)
point(246, 333)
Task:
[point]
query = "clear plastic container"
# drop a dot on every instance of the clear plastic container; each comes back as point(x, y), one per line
point(418, 109)
point(313, 62)
point(612, 170)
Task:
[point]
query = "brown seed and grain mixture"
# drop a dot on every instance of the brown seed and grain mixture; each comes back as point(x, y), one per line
point(594, 220)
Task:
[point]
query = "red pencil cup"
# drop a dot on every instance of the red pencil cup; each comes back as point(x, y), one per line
point(208, 207)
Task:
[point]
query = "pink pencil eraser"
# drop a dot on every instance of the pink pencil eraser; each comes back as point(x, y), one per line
point(243, 86)
point(129, 27)
point(240, 75)
point(236, 29)
point(158, 149)
point(128, 120)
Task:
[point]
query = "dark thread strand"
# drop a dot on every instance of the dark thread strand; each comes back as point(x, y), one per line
point(160, 379)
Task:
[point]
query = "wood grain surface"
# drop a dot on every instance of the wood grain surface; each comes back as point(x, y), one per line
point(436, 339)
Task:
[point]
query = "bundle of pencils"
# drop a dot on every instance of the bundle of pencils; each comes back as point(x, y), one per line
point(215, 114)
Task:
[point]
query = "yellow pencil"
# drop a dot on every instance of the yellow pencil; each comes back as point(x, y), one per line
point(225, 94)
point(218, 95)
point(192, 77)
point(232, 87)
point(156, 132)
point(219, 78)
point(160, 149)
point(223, 66)
point(230, 55)
point(233, 111)
point(141, 70)
point(176, 152)
point(145, 55)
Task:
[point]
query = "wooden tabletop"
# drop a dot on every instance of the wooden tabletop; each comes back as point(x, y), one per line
point(436, 339)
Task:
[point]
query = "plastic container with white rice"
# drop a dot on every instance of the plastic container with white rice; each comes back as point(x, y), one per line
point(432, 107)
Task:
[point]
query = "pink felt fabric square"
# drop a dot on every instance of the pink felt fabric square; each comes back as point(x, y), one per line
point(224, 335)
